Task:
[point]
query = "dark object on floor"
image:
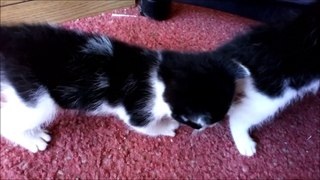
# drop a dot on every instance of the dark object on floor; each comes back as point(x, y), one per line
point(264, 10)
point(155, 9)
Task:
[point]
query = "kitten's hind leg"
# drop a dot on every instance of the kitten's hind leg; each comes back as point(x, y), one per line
point(21, 122)
point(251, 110)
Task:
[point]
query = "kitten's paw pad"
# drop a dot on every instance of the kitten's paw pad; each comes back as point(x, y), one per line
point(246, 147)
point(34, 142)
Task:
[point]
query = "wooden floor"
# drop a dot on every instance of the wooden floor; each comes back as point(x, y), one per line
point(55, 11)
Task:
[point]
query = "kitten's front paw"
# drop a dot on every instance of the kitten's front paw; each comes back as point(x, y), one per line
point(246, 146)
point(170, 128)
point(34, 142)
point(165, 127)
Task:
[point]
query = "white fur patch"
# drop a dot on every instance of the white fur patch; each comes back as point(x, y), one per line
point(245, 71)
point(160, 124)
point(21, 123)
point(159, 107)
point(98, 45)
point(201, 122)
point(164, 127)
point(159, 56)
point(160, 110)
point(106, 109)
point(255, 108)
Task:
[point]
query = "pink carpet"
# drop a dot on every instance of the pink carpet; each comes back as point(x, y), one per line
point(104, 148)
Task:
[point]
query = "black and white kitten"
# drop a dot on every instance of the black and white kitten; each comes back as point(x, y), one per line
point(284, 64)
point(45, 67)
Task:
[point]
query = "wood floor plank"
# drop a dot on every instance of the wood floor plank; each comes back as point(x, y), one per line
point(57, 11)
point(10, 2)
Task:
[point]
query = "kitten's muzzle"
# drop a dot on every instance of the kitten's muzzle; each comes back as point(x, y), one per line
point(197, 122)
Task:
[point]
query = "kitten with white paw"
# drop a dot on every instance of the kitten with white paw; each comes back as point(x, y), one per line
point(283, 63)
point(44, 68)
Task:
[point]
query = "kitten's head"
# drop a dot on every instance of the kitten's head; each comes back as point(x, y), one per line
point(200, 109)
point(199, 89)
point(203, 102)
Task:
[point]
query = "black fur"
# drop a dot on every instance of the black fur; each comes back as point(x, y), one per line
point(279, 55)
point(37, 56)
point(198, 85)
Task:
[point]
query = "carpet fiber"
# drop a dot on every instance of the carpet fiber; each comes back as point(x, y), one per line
point(103, 147)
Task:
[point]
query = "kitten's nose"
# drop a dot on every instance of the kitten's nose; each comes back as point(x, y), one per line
point(186, 121)
point(191, 122)
point(204, 121)
point(194, 125)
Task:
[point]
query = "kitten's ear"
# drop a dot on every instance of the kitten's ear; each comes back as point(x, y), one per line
point(241, 71)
